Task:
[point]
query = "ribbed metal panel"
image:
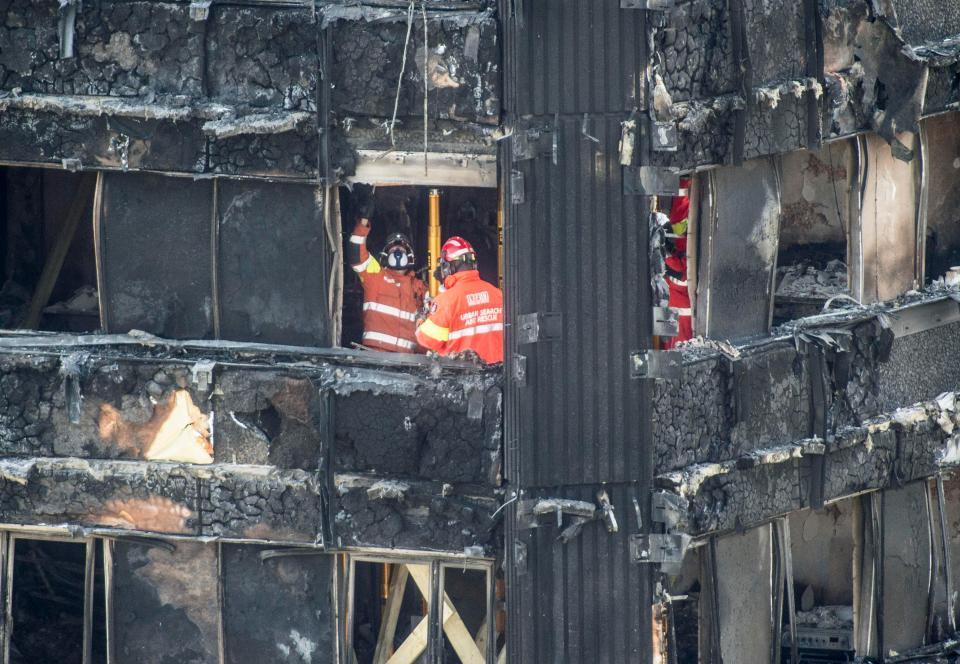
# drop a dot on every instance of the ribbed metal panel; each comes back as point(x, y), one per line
point(583, 601)
point(571, 56)
point(577, 246)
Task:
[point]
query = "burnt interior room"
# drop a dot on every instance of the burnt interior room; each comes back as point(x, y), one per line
point(48, 603)
point(470, 212)
point(49, 279)
point(815, 213)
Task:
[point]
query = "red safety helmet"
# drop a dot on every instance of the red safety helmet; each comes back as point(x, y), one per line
point(455, 249)
point(456, 254)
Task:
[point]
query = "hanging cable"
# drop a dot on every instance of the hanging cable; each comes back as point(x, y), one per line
point(403, 69)
point(426, 64)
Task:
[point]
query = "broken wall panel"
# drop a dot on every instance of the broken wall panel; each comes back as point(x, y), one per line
point(270, 418)
point(444, 430)
point(463, 69)
point(916, 370)
point(886, 265)
point(782, 128)
point(388, 514)
point(263, 57)
point(273, 263)
point(906, 567)
point(743, 233)
point(783, 58)
point(694, 53)
point(173, 586)
point(27, 389)
point(277, 608)
point(744, 580)
point(122, 49)
point(156, 276)
point(250, 152)
point(231, 502)
point(111, 410)
point(50, 136)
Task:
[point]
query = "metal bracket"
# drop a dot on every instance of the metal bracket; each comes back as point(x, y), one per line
point(665, 322)
point(201, 374)
point(517, 192)
point(71, 164)
point(520, 370)
point(669, 509)
point(656, 364)
point(655, 5)
point(659, 549)
point(664, 137)
point(537, 326)
point(200, 10)
point(650, 181)
point(532, 143)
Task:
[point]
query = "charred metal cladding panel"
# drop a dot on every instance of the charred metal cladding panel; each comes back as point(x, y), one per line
point(580, 600)
point(741, 244)
point(277, 605)
point(578, 307)
point(154, 255)
point(165, 603)
point(572, 56)
point(259, 271)
point(273, 263)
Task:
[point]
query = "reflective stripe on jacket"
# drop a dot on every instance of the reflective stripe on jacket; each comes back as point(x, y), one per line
point(391, 299)
point(468, 315)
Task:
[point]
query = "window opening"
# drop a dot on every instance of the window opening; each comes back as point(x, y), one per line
point(49, 268)
point(672, 258)
point(467, 630)
point(822, 585)
point(941, 140)
point(815, 214)
point(468, 212)
point(389, 615)
point(390, 612)
point(52, 583)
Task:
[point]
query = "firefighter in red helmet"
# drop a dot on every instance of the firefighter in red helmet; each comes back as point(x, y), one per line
point(676, 264)
point(392, 293)
point(468, 313)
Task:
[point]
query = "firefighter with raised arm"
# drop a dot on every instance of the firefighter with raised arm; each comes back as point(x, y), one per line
point(468, 313)
point(393, 295)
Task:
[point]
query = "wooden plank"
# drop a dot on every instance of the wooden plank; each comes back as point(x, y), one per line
point(453, 625)
point(413, 645)
point(391, 613)
point(54, 263)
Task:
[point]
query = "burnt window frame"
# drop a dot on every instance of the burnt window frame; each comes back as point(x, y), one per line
point(8, 542)
point(346, 569)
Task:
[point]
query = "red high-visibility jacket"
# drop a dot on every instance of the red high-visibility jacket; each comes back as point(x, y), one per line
point(391, 300)
point(676, 263)
point(468, 315)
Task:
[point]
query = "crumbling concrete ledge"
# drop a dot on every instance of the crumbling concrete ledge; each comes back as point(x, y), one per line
point(222, 501)
point(886, 451)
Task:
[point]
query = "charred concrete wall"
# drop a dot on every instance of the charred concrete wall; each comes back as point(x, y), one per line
point(835, 69)
point(844, 421)
point(239, 89)
point(115, 437)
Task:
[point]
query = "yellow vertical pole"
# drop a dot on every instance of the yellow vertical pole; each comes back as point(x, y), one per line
point(433, 240)
point(500, 240)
